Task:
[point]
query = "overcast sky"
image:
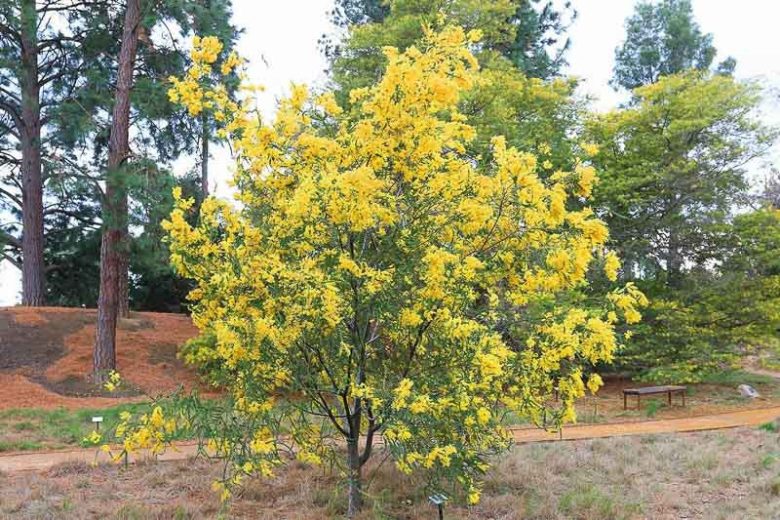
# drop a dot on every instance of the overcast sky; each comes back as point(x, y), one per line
point(280, 42)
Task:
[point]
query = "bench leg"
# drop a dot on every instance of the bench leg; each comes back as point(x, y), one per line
point(638, 402)
point(625, 402)
point(670, 398)
point(683, 397)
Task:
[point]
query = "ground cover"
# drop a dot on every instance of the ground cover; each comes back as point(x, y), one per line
point(713, 475)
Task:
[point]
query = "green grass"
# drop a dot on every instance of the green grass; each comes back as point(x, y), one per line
point(34, 429)
point(738, 377)
point(20, 445)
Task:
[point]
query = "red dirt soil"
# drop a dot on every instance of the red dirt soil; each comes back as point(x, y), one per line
point(46, 357)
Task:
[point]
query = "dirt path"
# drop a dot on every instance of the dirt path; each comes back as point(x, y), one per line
point(754, 417)
point(38, 461)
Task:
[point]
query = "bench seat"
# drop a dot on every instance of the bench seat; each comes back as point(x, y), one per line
point(651, 390)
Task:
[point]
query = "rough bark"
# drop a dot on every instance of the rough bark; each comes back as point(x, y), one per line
point(32, 179)
point(115, 204)
point(124, 275)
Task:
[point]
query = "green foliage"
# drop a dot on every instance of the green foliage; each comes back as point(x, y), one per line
point(663, 39)
point(671, 169)
point(652, 407)
point(73, 251)
point(540, 45)
point(79, 48)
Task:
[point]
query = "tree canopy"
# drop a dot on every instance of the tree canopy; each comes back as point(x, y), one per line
point(661, 39)
point(395, 285)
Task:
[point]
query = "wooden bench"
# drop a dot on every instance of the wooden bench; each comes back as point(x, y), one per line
point(652, 390)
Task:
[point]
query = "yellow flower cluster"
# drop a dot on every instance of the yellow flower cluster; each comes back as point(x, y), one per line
point(152, 432)
point(113, 381)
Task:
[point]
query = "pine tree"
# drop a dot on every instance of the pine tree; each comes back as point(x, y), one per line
point(662, 39)
point(39, 68)
point(115, 228)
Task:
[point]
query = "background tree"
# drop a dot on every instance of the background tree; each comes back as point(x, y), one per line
point(115, 203)
point(771, 191)
point(393, 283)
point(661, 39)
point(40, 66)
point(161, 132)
point(540, 43)
point(672, 174)
point(78, 48)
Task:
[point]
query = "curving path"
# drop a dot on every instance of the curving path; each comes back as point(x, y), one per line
point(753, 417)
point(37, 461)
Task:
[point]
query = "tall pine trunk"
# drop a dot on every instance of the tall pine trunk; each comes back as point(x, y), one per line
point(124, 273)
point(32, 179)
point(112, 246)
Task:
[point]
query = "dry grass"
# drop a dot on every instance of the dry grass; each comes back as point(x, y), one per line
point(728, 474)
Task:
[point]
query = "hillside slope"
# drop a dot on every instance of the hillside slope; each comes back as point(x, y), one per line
point(46, 357)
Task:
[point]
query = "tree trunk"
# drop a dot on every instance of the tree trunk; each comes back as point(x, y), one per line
point(204, 158)
point(355, 482)
point(32, 179)
point(115, 210)
point(124, 273)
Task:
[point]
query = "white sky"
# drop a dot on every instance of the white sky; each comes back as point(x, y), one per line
point(280, 42)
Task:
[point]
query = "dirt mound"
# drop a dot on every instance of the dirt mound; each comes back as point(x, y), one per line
point(46, 357)
point(33, 338)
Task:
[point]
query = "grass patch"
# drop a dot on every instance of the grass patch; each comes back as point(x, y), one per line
point(588, 501)
point(737, 377)
point(19, 445)
point(28, 429)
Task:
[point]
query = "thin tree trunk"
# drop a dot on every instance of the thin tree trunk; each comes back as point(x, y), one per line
point(204, 158)
point(354, 476)
point(115, 211)
point(32, 179)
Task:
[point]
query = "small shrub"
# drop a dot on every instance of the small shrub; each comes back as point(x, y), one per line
point(651, 408)
point(23, 426)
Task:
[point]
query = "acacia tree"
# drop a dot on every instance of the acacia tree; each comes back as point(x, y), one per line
point(519, 97)
point(390, 283)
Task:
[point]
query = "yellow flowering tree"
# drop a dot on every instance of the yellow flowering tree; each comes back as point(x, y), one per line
point(374, 280)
